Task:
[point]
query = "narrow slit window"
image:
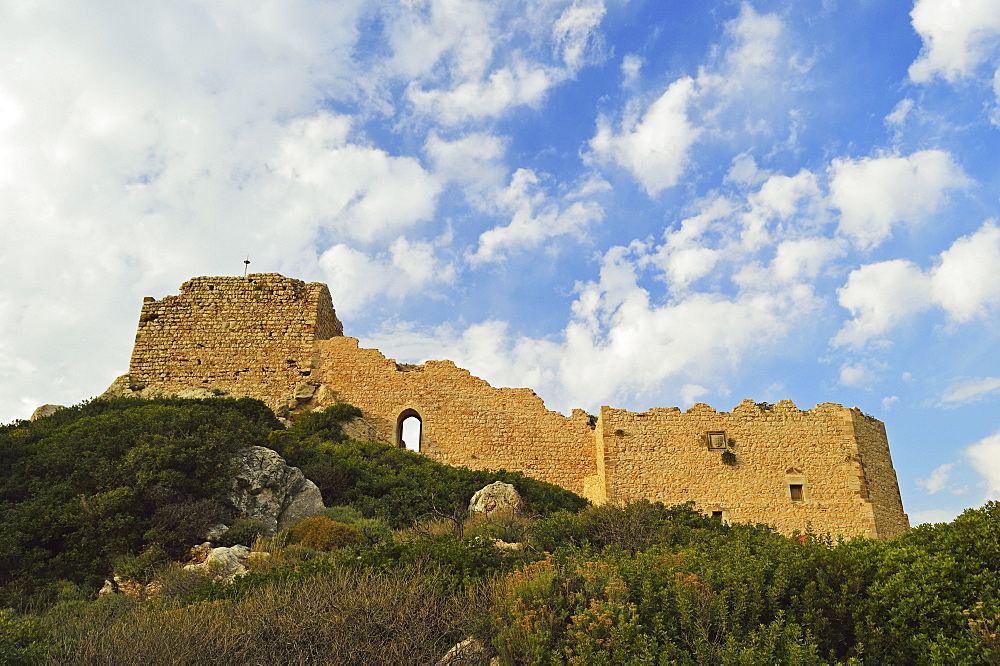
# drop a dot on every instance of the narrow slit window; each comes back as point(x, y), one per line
point(795, 490)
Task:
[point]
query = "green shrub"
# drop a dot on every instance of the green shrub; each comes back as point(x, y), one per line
point(22, 640)
point(321, 533)
point(244, 531)
point(108, 478)
point(343, 514)
point(142, 568)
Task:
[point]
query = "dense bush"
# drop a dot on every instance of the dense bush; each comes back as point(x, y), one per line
point(92, 483)
point(334, 616)
point(321, 533)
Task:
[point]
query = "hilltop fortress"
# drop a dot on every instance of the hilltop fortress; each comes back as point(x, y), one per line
point(278, 339)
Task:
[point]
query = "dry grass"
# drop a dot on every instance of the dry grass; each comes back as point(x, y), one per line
point(337, 617)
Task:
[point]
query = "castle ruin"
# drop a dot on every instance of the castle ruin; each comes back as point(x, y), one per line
point(278, 339)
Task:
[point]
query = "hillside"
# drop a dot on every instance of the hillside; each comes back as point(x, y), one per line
point(395, 571)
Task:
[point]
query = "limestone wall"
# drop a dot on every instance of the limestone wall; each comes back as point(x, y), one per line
point(881, 486)
point(465, 421)
point(249, 336)
point(663, 454)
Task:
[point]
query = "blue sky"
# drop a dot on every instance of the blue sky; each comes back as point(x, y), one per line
point(626, 203)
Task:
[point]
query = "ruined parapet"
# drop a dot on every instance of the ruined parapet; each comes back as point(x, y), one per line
point(249, 336)
point(820, 468)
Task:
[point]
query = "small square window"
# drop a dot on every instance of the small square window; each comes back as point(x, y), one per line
point(717, 515)
point(795, 489)
point(716, 440)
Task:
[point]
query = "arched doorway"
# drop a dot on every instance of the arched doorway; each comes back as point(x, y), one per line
point(409, 430)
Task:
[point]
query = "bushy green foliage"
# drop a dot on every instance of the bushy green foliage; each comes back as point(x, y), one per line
point(244, 531)
point(23, 640)
point(321, 533)
point(375, 530)
point(104, 479)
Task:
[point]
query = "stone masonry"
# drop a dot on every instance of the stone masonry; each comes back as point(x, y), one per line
point(278, 339)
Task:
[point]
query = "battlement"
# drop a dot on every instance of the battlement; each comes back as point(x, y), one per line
point(278, 339)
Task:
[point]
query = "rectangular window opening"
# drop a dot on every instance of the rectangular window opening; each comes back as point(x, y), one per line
point(717, 515)
point(716, 440)
point(795, 489)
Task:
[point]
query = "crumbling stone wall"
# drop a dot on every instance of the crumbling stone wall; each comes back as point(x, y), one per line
point(278, 339)
point(251, 336)
point(665, 454)
point(464, 420)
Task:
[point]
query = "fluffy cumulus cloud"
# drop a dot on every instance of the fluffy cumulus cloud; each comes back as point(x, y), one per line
point(361, 191)
point(957, 37)
point(407, 267)
point(534, 217)
point(938, 480)
point(463, 67)
point(962, 283)
point(653, 146)
point(985, 458)
point(876, 194)
point(653, 140)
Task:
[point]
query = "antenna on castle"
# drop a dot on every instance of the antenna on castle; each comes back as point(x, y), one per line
point(246, 265)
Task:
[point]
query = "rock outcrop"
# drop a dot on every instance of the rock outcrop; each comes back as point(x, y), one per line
point(265, 488)
point(45, 410)
point(221, 564)
point(498, 498)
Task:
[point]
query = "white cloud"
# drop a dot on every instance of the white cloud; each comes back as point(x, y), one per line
point(534, 218)
point(900, 112)
point(653, 140)
point(932, 516)
point(889, 402)
point(654, 147)
point(362, 191)
point(876, 194)
point(858, 374)
point(957, 36)
point(468, 61)
point(405, 268)
point(574, 31)
point(520, 84)
point(805, 258)
point(938, 480)
point(690, 393)
point(474, 160)
point(963, 283)
point(969, 390)
point(878, 296)
point(756, 44)
point(744, 170)
point(966, 282)
point(779, 198)
point(631, 67)
point(985, 458)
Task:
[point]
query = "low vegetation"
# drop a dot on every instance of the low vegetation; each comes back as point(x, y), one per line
point(394, 572)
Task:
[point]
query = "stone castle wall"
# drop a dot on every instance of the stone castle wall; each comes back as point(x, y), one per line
point(269, 337)
point(664, 454)
point(464, 420)
point(248, 336)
